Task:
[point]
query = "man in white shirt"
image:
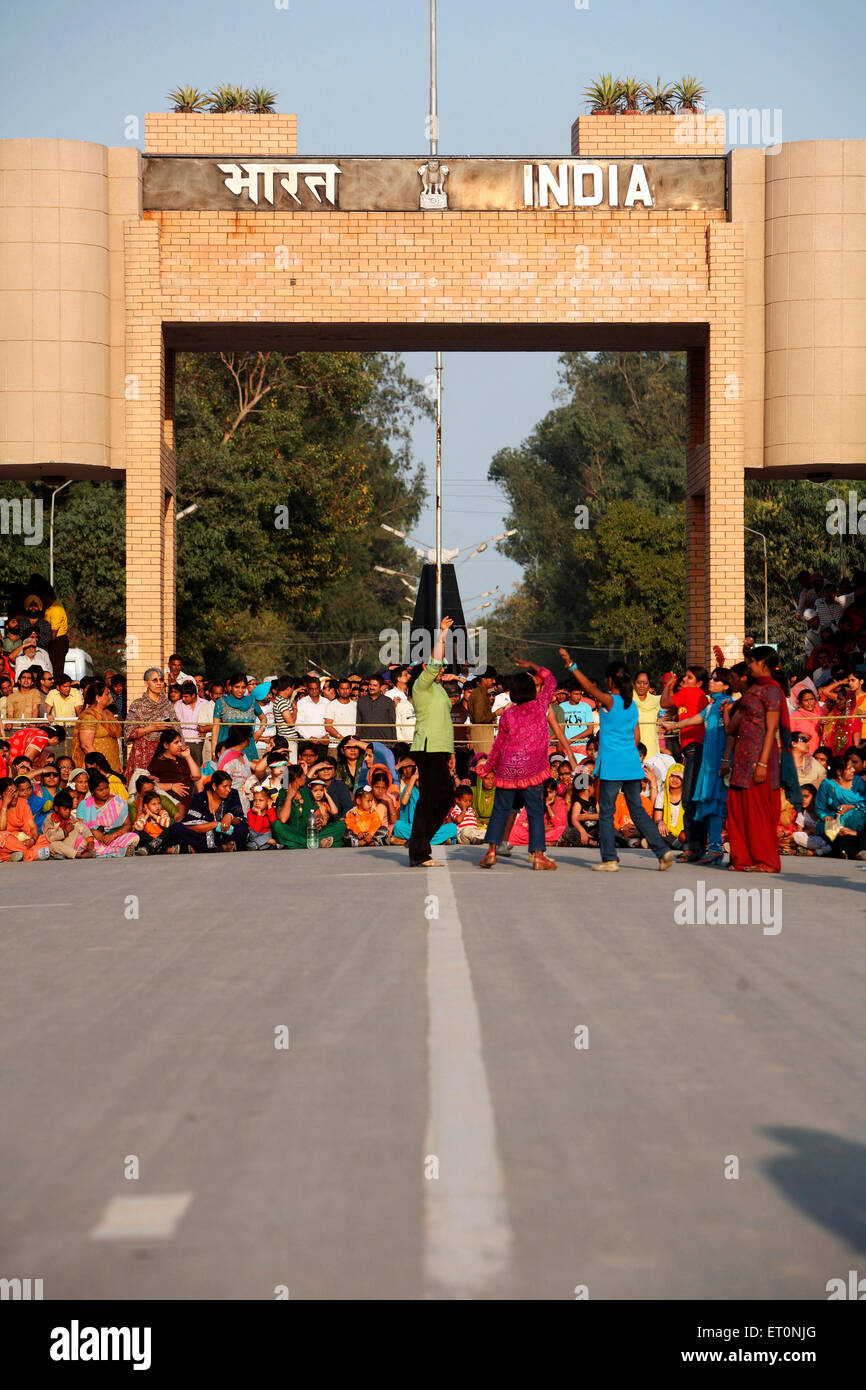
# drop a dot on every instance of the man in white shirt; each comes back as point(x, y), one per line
point(189, 716)
point(342, 714)
point(403, 707)
point(173, 673)
point(830, 606)
point(31, 655)
point(812, 638)
point(204, 717)
point(310, 714)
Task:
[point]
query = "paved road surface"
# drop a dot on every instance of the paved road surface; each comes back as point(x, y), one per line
point(422, 1041)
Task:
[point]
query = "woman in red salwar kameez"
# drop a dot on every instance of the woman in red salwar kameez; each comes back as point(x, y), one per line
point(754, 795)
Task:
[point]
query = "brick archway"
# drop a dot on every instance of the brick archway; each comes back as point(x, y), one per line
point(185, 249)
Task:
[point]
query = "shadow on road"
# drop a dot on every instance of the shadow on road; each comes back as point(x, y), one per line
point(825, 1176)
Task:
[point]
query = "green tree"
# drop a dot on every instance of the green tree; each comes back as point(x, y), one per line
point(615, 444)
point(794, 518)
point(638, 581)
point(291, 462)
point(615, 437)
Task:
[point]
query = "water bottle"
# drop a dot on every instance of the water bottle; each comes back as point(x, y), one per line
point(312, 832)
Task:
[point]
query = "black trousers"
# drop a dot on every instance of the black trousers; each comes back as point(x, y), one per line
point(57, 655)
point(435, 799)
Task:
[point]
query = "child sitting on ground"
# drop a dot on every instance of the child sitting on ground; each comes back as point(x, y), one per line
point(152, 825)
point(363, 823)
point(806, 836)
point(68, 837)
point(463, 815)
point(260, 818)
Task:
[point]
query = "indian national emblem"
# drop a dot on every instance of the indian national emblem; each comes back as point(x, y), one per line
point(433, 176)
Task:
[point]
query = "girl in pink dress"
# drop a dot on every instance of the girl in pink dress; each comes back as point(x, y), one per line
point(555, 818)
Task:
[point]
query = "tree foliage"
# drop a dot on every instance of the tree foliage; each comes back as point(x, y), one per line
point(615, 444)
point(291, 463)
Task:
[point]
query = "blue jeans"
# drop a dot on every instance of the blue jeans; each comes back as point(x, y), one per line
point(713, 826)
point(607, 794)
point(695, 832)
point(503, 801)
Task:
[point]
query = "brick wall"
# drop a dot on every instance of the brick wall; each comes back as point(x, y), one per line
point(620, 137)
point(529, 268)
point(230, 133)
point(572, 266)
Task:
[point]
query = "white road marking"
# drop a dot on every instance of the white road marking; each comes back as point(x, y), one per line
point(467, 1234)
point(132, 1218)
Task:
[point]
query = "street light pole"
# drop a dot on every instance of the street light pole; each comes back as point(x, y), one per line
point(764, 539)
point(51, 531)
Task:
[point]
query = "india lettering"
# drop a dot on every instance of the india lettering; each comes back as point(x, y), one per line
point(583, 186)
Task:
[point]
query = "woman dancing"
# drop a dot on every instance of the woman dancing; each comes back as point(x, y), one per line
point(519, 757)
point(618, 766)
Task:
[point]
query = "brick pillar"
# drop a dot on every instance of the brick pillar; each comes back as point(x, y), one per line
point(697, 643)
point(150, 464)
point(715, 460)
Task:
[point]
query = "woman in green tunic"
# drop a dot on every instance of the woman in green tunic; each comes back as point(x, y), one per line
point(294, 808)
point(293, 813)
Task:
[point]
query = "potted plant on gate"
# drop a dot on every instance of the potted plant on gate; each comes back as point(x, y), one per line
point(605, 96)
point(689, 94)
point(659, 99)
point(228, 98)
point(261, 101)
point(187, 99)
point(633, 93)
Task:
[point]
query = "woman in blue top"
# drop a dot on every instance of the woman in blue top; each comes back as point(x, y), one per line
point(618, 765)
point(843, 795)
point(710, 796)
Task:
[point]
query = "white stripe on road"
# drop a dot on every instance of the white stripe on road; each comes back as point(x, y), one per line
point(134, 1218)
point(467, 1235)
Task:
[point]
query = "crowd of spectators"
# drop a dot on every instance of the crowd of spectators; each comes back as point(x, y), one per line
point(194, 764)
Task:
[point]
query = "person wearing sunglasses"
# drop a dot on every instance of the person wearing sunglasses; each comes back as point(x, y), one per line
point(810, 772)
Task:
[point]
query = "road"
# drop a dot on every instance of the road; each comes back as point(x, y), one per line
point(495, 1085)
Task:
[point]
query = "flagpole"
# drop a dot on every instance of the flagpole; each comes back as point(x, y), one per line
point(434, 150)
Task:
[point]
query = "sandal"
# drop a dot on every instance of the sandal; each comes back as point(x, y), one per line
point(489, 859)
point(712, 858)
point(541, 861)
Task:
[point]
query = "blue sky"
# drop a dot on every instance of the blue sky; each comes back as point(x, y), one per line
point(511, 77)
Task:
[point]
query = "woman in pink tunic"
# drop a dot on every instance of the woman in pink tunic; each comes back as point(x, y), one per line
point(519, 758)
